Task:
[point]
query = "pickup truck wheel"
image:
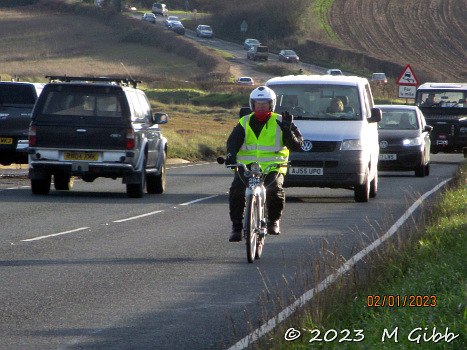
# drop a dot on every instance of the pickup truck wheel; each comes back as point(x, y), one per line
point(137, 190)
point(41, 186)
point(362, 192)
point(63, 182)
point(156, 183)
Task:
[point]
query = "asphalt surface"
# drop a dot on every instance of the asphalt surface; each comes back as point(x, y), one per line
point(93, 269)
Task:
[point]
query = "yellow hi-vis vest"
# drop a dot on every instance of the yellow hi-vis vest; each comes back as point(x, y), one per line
point(268, 148)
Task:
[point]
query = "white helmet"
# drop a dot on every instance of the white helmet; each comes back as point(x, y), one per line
point(263, 93)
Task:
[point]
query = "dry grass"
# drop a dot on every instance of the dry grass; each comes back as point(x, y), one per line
point(82, 46)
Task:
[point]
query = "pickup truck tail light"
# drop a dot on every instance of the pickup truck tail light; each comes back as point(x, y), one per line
point(130, 138)
point(32, 136)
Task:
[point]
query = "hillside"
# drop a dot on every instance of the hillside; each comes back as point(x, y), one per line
point(430, 35)
point(368, 35)
point(92, 41)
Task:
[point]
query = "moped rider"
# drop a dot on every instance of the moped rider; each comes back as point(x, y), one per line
point(264, 137)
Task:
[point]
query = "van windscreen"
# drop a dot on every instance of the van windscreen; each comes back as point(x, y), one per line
point(318, 102)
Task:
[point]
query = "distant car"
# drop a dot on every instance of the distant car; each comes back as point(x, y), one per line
point(160, 9)
point(149, 17)
point(404, 140)
point(258, 53)
point(177, 27)
point(334, 71)
point(171, 19)
point(204, 31)
point(288, 56)
point(249, 43)
point(246, 80)
point(379, 78)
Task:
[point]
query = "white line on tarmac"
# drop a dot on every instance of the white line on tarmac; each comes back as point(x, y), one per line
point(54, 234)
point(307, 296)
point(139, 216)
point(199, 200)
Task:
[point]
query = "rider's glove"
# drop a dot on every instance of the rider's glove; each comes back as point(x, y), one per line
point(286, 123)
point(231, 159)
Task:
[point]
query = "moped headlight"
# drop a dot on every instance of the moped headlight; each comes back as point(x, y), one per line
point(416, 141)
point(351, 145)
point(255, 167)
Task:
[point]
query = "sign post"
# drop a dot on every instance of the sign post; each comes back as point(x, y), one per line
point(407, 83)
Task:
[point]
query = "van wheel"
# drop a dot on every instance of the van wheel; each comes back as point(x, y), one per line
point(374, 186)
point(41, 186)
point(63, 182)
point(420, 170)
point(362, 192)
point(427, 169)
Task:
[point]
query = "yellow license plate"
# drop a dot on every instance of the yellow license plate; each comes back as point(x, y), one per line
point(6, 140)
point(85, 156)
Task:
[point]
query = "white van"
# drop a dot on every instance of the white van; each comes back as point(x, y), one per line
point(338, 122)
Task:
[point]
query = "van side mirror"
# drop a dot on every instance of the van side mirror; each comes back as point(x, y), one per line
point(428, 128)
point(160, 118)
point(375, 115)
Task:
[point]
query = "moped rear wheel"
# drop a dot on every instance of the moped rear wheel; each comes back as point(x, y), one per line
point(250, 227)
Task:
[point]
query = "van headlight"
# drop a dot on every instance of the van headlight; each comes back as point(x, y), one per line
point(351, 145)
point(416, 141)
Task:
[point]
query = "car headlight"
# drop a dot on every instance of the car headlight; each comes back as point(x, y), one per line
point(417, 141)
point(351, 145)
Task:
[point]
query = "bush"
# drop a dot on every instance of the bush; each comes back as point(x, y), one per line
point(15, 3)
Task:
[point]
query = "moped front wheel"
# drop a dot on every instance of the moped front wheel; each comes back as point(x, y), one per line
point(250, 227)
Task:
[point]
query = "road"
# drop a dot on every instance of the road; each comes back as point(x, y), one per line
point(93, 269)
point(239, 64)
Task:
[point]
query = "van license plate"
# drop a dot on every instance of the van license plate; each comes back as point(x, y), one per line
point(306, 171)
point(84, 156)
point(388, 157)
point(6, 140)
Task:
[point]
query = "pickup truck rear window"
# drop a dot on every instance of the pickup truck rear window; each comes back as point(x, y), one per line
point(91, 103)
point(16, 94)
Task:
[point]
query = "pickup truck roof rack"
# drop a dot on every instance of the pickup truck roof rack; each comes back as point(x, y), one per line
point(118, 81)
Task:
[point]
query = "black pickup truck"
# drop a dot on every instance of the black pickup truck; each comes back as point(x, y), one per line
point(17, 100)
point(96, 127)
point(444, 106)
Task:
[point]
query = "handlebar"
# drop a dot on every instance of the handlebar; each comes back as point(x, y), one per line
point(221, 160)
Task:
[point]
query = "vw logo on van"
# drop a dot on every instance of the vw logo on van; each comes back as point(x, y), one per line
point(383, 144)
point(307, 146)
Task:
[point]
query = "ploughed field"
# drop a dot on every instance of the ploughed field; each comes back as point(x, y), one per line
point(430, 35)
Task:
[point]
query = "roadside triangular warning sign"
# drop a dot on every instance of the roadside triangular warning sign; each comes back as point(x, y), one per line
point(407, 77)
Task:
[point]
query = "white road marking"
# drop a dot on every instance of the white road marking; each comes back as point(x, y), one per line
point(307, 296)
point(139, 216)
point(199, 200)
point(54, 234)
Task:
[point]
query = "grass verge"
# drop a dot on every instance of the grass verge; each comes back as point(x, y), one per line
point(424, 272)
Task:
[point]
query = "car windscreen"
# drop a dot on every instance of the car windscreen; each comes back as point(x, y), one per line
point(318, 102)
point(17, 94)
point(81, 101)
point(398, 119)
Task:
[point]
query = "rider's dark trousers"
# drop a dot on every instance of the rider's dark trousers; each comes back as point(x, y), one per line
point(275, 197)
